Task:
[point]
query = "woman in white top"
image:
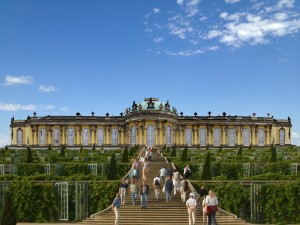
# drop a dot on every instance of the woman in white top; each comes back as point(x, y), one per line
point(176, 182)
point(211, 200)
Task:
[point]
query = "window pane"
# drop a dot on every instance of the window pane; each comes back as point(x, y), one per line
point(42, 136)
point(281, 136)
point(85, 136)
point(217, 136)
point(100, 136)
point(231, 137)
point(20, 137)
point(261, 137)
point(150, 135)
point(202, 136)
point(70, 136)
point(56, 136)
point(114, 136)
point(168, 135)
point(188, 135)
point(246, 137)
point(133, 135)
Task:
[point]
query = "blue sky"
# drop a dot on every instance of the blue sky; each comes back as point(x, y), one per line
point(235, 56)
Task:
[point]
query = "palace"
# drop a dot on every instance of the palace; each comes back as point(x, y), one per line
point(150, 122)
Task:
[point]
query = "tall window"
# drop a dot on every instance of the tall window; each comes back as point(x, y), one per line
point(56, 136)
point(150, 135)
point(133, 135)
point(100, 136)
point(85, 136)
point(168, 135)
point(70, 136)
point(231, 137)
point(261, 137)
point(42, 136)
point(217, 136)
point(19, 137)
point(188, 136)
point(246, 137)
point(281, 136)
point(114, 136)
point(202, 136)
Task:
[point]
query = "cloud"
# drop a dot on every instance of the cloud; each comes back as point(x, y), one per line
point(232, 1)
point(186, 52)
point(19, 107)
point(4, 140)
point(49, 88)
point(156, 10)
point(158, 39)
point(296, 138)
point(13, 80)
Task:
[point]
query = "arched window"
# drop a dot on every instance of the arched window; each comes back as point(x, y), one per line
point(56, 136)
point(114, 136)
point(70, 136)
point(42, 136)
point(85, 137)
point(168, 135)
point(261, 137)
point(188, 136)
point(19, 137)
point(100, 136)
point(203, 137)
point(281, 136)
point(217, 137)
point(246, 137)
point(150, 135)
point(133, 135)
point(231, 137)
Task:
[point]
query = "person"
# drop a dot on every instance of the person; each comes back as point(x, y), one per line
point(168, 189)
point(122, 190)
point(145, 168)
point(211, 201)
point(202, 194)
point(134, 191)
point(187, 172)
point(169, 171)
point(176, 181)
point(183, 189)
point(156, 186)
point(116, 207)
point(204, 210)
point(191, 205)
point(144, 192)
point(163, 173)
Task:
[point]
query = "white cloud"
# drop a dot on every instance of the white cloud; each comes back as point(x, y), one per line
point(232, 1)
point(186, 53)
point(156, 10)
point(158, 39)
point(18, 107)
point(12, 80)
point(49, 88)
point(213, 33)
point(213, 48)
point(285, 4)
point(65, 109)
point(4, 140)
point(180, 2)
point(296, 138)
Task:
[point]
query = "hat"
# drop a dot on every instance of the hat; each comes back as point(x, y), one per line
point(192, 195)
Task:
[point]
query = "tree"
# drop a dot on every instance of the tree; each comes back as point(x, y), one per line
point(273, 153)
point(29, 155)
point(131, 151)
point(173, 152)
point(184, 155)
point(206, 173)
point(164, 148)
point(125, 155)
point(207, 147)
point(62, 151)
point(240, 152)
point(112, 168)
point(49, 147)
point(93, 147)
point(9, 216)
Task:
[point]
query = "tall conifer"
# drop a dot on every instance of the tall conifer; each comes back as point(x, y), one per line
point(9, 212)
point(206, 173)
point(184, 155)
point(125, 155)
point(112, 168)
point(273, 153)
point(29, 155)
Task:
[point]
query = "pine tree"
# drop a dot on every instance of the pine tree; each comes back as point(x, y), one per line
point(9, 216)
point(125, 158)
point(184, 155)
point(131, 151)
point(49, 147)
point(206, 173)
point(29, 155)
point(173, 152)
point(112, 168)
point(240, 152)
point(273, 153)
point(93, 147)
point(62, 151)
point(164, 148)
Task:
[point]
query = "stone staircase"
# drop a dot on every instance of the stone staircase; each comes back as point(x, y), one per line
point(160, 212)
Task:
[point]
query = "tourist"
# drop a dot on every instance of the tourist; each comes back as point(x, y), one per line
point(202, 193)
point(211, 204)
point(163, 173)
point(133, 191)
point(183, 189)
point(176, 182)
point(156, 186)
point(144, 192)
point(122, 190)
point(204, 210)
point(145, 168)
point(187, 172)
point(116, 207)
point(168, 189)
point(191, 205)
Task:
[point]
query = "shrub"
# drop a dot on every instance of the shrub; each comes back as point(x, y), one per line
point(112, 168)
point(173, 152)
point(184, 155)
point(9, 212)
point(273, 153)
point(125, 158)
point(206, 173)
point(29, 155)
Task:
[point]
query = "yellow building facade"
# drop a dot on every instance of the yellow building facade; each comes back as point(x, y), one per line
point(151, 123)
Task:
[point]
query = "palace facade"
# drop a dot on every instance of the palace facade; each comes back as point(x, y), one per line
point(150, 122)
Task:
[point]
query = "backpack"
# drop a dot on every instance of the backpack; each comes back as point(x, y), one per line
point(156, 182)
